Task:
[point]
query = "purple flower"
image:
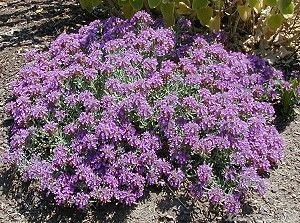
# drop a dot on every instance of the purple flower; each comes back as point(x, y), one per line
point(204, 173)
point(176, 178)
point(70, 128)
point(39, 111)
point(81, 200)
point(86, 118)
point(232, 204)
point(60, 115)
point(216, 195)
point(123, 105)
point(50, 127)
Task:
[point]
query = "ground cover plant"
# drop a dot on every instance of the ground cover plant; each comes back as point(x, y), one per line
point(123, 105)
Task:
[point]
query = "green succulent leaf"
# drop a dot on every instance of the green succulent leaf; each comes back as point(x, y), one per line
point(284, 3)
point(128, 10)
point(274, 21)
point(167, 9)
point(153, 3)
point(253, 3)
point(122, 2)
point(136, 4)
point(244, 12)
point(89, 5)
point(271, 2)
point(183, 9)
point(204, 15)
point(199, 4)
point(286, 7)
point(257, 5)
point(215, 23)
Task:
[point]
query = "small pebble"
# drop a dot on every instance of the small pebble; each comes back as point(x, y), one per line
point(169, 217)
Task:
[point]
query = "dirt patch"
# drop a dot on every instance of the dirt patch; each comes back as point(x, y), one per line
point(33, 24)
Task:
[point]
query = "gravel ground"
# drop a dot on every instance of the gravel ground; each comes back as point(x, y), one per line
point(26, 24)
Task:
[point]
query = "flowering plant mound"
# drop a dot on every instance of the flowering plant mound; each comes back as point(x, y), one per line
point(126, 104)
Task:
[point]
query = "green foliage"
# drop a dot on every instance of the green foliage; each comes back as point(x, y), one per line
point(128, 10)
point(210, 13)
point(289, 97)
point(274, 21)
point(271, 3)
point(214, 23)
point(199, 4)
point(167, 10)
point(254, 3)
point(89, 5)
point(183, 9)
point(153, 3)
point(204, 15)
point(286, 7)
point(136, 4)
point(244, 12)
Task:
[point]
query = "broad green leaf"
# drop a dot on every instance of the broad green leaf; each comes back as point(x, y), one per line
point(204, 15)
point(214, 23)
point(153, 3)
point(167, 10)
point(89, 5)
point(244, 11)
point(122, 2)
point(270, 2)
point(284, 3)
point(199, 4)
point(136, 4)
point(253, 3)
point(286, 7)
point(128, 10)
point(258, 6)
point(183, 9)
point(274, 21)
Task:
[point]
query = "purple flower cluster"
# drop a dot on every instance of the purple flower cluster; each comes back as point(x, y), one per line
point(126, 104)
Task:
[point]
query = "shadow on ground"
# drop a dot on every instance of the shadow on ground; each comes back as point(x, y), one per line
point(25, 22)
point(37, 207)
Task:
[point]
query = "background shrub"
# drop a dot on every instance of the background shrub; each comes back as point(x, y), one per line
point(208, 12)
point(126, 104)
point(289, 99)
